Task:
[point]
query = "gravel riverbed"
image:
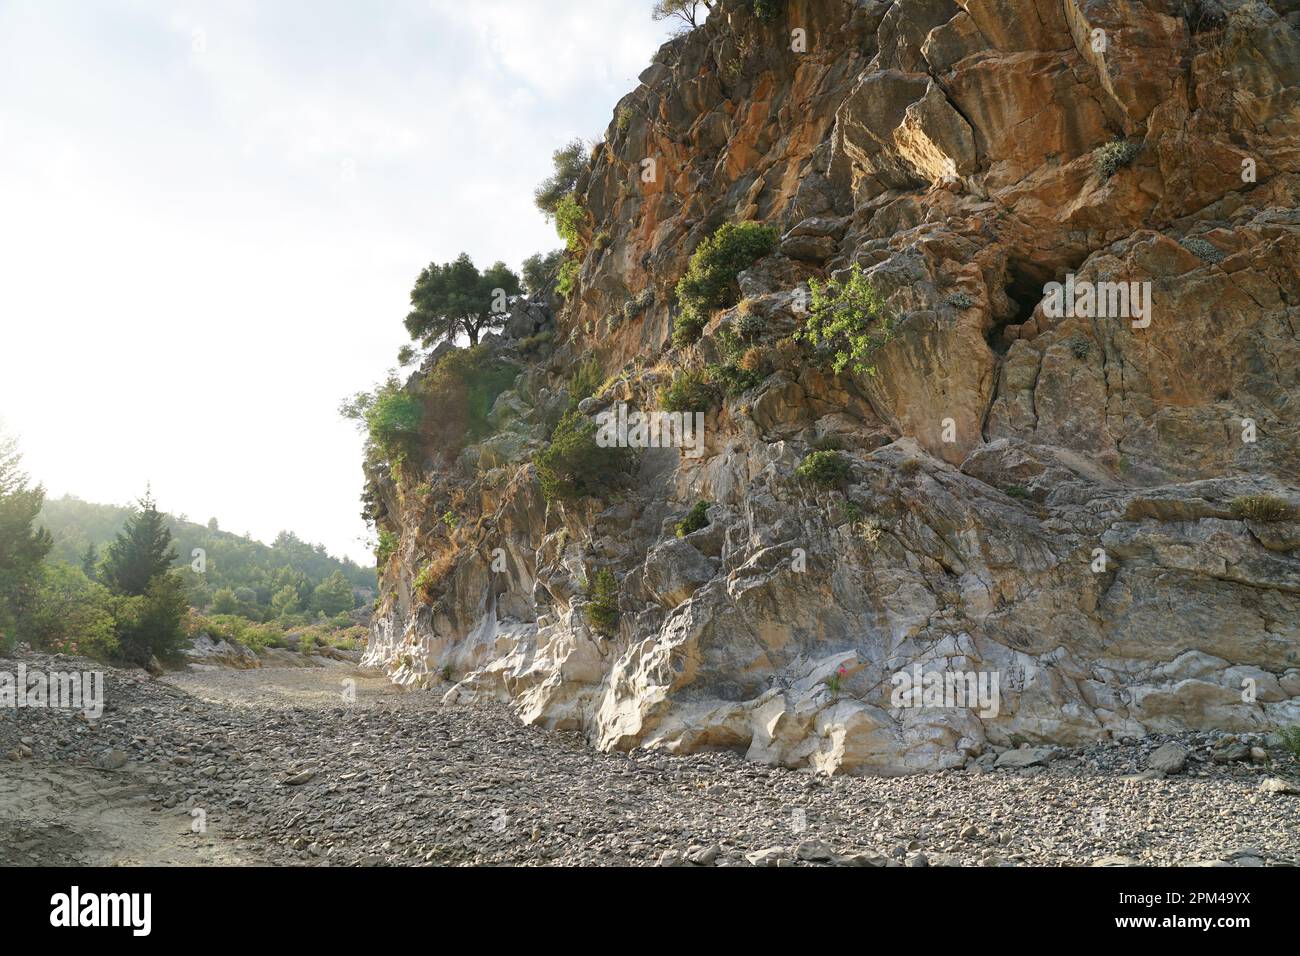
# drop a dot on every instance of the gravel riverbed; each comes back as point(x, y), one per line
point(271, 765)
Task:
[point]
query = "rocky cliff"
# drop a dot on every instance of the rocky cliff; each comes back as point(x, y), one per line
point(1095, 507)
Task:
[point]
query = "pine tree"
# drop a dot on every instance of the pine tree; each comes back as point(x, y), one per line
point(141, 551)
point(90, 561)
point(22, 547)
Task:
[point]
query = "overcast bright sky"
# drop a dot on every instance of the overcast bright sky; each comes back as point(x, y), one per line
point(211, 215)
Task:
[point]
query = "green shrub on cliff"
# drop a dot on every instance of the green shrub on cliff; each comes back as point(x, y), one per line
point(689, 392)
point(391, 417)
point(462, 388)
point(710, 279)
point(848, 317)
point(574, 466)
point(602, 607)
point(824, 468)
point(695, 519)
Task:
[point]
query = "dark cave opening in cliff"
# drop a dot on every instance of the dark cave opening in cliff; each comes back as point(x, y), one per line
point(1024, 290)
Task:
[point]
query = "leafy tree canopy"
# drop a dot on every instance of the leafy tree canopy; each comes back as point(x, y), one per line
point(455, 299)
point(571, 160)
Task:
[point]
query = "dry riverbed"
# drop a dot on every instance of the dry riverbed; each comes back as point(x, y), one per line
point(275, 765)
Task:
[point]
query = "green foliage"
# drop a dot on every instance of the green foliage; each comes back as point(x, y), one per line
point(391, 417)
point(732, 378)
point(1112, 157)
point(847, 317)
point(960, 300)
point(690, 391)
point(587, 378)
point(602, 603)
point(1262, 508)
point(573, 465)
point(765, 9)
point(750, 324)
point(695, 519)
point(824, 467)
point(710, 279)
point(151, 624)
point(540, 270)
point(333, 596)
point(386, 548)
point(624, 119)
point(450, 520)
point(284, 602)
point(569, 219)
point(462, 388)
point(568, 276)
point(70, 613)
point(1017, 491)
point(570, 161)
point(455, 299)
point(141, 551)
point(22, 545)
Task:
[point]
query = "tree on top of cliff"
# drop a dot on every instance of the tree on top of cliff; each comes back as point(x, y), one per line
point(454, 298)
point(685, 10)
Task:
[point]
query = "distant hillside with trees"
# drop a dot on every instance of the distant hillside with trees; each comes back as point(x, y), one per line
point(289, 577)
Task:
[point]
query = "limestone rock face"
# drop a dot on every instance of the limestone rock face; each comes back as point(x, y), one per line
point(1060, 521)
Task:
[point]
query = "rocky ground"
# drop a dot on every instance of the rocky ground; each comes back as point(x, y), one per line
point(281, 770)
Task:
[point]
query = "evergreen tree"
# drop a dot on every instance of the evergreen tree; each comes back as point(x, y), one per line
point(141, 551)
point(90, 561)
point(22, 547)
point(333, 595)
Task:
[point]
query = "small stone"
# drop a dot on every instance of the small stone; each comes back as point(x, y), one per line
point(1277, 785)
point(814, 851)
point(111, 760)
point(1020, 759)
point(768, 857)
point(1170, 758)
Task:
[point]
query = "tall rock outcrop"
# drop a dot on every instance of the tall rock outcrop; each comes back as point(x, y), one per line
point(1094, 506)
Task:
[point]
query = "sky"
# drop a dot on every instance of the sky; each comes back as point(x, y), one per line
point(212, 213)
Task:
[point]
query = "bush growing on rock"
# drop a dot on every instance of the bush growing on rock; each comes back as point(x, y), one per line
point(602, 602)
point(385, 548)
point(1112, 157)
point(1261, 508)
point(695, 519)
point(848, 318)
point(710, 279)
point(574, 466)
point(825, 468)
point(587, 377)
point(463, 388)
point(1203, 249)
point(689, 392)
